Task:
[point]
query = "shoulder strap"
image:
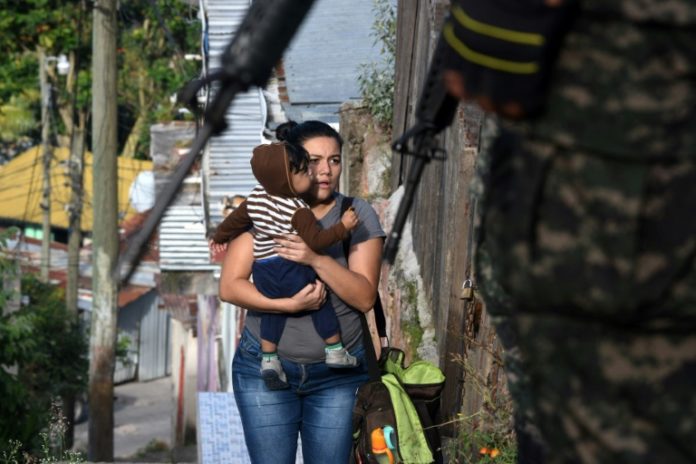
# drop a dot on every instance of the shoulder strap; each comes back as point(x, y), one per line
point(372, 365)
point(346, 203)
point(380, 320)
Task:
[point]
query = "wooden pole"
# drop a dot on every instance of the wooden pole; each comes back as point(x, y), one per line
point(105, 233)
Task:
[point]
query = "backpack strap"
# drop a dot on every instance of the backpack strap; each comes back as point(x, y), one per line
point(372, 365)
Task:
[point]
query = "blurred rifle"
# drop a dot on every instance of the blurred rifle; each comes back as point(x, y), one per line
point(506, 50)
point(434, 112)
point(247, 61)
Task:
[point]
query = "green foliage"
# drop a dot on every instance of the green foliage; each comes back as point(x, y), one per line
point(153, 38)
point(27, 25)
point(376, 80)
point(384, 27)
point(32, 23)
point(154, 446)
point(57, 26)
point(492, 444)
point(44, 353)
point(19, 100)
point(490, 428)
point(17, 117)
point(8, 268)
point(152, 68)
point(49, 453)
point(414, 336)
point(53, 440)
point(19, 77)
point(123, 346)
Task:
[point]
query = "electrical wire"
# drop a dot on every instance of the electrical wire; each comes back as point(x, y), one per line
point(123, 169)
point(31, 184)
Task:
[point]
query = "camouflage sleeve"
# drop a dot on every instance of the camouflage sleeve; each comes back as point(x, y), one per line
point(505, 48)
point(235, 224)
point(311, 232)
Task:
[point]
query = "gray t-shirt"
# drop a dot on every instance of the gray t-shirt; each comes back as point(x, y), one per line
point(300, 341)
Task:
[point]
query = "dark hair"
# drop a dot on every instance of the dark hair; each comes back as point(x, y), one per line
point(297, 157)
point(298, 134)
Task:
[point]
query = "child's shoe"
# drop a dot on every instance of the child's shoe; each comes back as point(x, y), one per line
point(273, 374)
point(340, 358)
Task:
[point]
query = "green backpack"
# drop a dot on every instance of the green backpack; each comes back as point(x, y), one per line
point(397, 415)
point(400, 405)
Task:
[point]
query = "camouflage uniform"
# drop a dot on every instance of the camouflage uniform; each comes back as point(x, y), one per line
point(531, 447)
point(588, 237)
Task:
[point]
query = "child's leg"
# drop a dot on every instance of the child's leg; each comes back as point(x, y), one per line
point(326, 324)
point(271, 369)
point(268, 280)
point(268, 346)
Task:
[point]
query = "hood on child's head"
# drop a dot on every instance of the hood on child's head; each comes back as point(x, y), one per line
point(271, 167)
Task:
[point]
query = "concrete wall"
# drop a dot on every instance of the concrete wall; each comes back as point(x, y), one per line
point(184, 372)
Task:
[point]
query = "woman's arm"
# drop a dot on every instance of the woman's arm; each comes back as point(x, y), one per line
point(236, 288)
point(355, 285)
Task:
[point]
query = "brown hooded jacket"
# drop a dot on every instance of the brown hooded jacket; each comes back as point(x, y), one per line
point(271, 167)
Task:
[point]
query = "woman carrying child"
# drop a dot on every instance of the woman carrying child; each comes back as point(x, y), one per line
point(318, 403)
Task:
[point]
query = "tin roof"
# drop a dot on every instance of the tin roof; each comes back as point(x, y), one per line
point(21, 186)
point(323, 61)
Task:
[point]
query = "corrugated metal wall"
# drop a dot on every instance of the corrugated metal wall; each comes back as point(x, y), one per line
point(226, 169)
point(154, 343)
point(182, 242)
point(148, 330)
point(183, 246)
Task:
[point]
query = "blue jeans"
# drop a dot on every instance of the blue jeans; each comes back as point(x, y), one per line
point(318, 405)
point(281, 278)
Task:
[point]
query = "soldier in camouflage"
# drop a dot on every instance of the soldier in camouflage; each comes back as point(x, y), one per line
point(587, 236)
point(531, 447)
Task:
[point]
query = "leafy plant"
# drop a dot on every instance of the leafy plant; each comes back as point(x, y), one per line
point(484, 439)
point(56, 27)
point(123, 347)
point(486, 436)
point(7, 267)
point(154, 446)
point(43, 355)
point(52, 448)
point(376, 80)
point(153, 39)
point(152, 66)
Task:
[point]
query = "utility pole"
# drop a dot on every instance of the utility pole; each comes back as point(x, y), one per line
point(105, 233)
point(46, 155)
point(77, 151)
point(76, 129)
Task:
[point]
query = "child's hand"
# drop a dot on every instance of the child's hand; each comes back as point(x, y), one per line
point(216, 248)
point(349, 219)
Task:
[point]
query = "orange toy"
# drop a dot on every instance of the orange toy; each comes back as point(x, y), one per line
point(379, 444)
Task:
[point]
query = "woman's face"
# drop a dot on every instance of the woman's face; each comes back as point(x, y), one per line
point(324, 167)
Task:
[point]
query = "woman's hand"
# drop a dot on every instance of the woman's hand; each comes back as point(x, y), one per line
point(293, 248)
point(236, 288)
point(309, 298)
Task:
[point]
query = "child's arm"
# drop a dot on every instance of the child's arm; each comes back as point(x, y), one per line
point(317, 238)
point(235, 224)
